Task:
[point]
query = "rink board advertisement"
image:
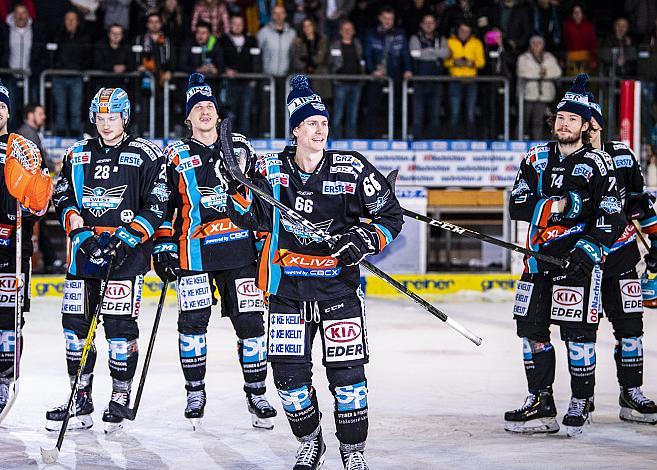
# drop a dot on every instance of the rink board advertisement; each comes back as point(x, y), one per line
point(440, 163)
point(422, 284)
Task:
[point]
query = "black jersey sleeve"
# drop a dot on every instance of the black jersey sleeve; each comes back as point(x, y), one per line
point(63, 197)
point(526, 201)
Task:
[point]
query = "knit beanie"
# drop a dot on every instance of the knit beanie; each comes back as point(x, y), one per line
point(4, 96)
point(596, 110)
point(303, 102)
point(197, 91)
point(575, 100)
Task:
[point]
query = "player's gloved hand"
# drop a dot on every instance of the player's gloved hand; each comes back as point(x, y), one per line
point(165, 259)
point(583, 258)
point(87, 252)
point(637, 205)
point(577, 203)
point(228, 183)
point(121, 244)
point(351, 247)
point(651, 257)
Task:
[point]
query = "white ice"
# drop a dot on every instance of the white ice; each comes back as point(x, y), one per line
point(436, 401)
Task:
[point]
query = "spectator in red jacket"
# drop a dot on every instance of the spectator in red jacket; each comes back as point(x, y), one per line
point(581, 42)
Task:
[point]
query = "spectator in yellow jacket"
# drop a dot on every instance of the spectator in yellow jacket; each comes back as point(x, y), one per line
point(465, 60)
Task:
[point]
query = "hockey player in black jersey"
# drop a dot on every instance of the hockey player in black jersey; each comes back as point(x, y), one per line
point(567, 192)
point(110, 197)
point(621, 299)
point(204, 250)
point(312, 286)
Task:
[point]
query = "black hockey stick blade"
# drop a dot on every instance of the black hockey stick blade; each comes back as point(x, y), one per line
point(392, 179)
point(131, 413)
point(233, 167)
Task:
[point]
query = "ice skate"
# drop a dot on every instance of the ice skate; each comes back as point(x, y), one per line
point(121, 396)
point(262, 413)
point(310, 454)
point(579, 414)
point(83, 407)
point(636, 407)
point(195, 407)
point(537, 415)
point(354, 460)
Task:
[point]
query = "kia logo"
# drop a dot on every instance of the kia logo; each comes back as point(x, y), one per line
point(632, 289)
point(566, 296)
point(117, 292)
point(8, 284)
point(342, 331)
point(248, 288)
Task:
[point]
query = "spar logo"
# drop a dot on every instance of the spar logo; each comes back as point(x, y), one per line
point(567, 297)
point(248, 288)
point(632, 289)
point(342, 331)
point(117, 291)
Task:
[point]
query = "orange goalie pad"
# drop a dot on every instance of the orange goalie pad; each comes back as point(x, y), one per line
point(23, 176)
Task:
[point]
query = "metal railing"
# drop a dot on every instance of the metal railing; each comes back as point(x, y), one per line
point(87, 74)
point(270, 88)
point(390, 90)
point(447, 78)
point(25, 78)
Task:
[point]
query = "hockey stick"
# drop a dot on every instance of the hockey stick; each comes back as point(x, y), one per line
point(51, 455)
point(131, 413)
point(392, 176)
point(234, 168)
point(18, 313)
point(640, 235)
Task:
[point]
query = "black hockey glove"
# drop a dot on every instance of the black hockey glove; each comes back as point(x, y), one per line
point(651, 257)
point(583, 258)
point(165, 259)
point(577, 203)
point(351, 247)
point(121, 244)
point(87, 252)
point(228, 183)
point(638, 205)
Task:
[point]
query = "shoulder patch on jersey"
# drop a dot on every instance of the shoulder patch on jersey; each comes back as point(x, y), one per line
point(582, 169)
point(537, 157)
point(268, 160)
point(623, 161)
point(341, 160)
point(599, 160)
point(149, 148)
point(619, 145)
point(175, 148)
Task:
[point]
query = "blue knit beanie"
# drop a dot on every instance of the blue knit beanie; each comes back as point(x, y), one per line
point(4, 96)
point(303, 102)
point(197, 91)
point(596, 110)
point(575, 100)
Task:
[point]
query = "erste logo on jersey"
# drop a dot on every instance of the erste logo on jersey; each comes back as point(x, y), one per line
point(81, 158)
point(582, 169)
point(191, 162)
point(99, 200)
point(338, 187)
point(623, 161)
point(131, 159)
point(303, 235)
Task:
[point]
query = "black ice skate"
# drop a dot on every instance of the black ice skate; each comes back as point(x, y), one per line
point(537, 415)
point(262, 413)
point(121, 396)
point(354, 460)
point(579, 414)
point(195, 407)
point(83, 407)
point(636, 407)
point(310, 454)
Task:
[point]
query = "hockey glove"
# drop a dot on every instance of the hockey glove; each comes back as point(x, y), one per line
point(583, 259)
point(351, 247)
point(638, 205)
point(87, 253)
point(228, 183)
point(121, 244)
point(577, 203)
point(165, 259)
point(651, 257)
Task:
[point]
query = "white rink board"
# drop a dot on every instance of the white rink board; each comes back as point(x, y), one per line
point(436, 401)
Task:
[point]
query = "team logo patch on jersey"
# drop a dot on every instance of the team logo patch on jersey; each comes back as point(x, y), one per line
point(377, 205)
point(131, 159)
point(338, 187)
point(213, 198)
point(303, 235)
point(582, 169)
point(99, 200)
point(610, 205)
point(520, 188)
point(623, 161)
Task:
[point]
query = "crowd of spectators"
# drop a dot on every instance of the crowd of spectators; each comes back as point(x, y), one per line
point(537, 41)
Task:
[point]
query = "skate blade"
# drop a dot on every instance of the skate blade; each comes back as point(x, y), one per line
point(197, 423)
point(574, 431)
point(262, 423)
point(634, 416)
point(111, 428)
point(49, 455)
point(75, 423)
point(534, 426)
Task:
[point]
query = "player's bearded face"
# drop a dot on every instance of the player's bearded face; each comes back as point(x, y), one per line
point(4, 116)
point(109, 126)
point(568, 127)
point(203, 116)
point(312, 133)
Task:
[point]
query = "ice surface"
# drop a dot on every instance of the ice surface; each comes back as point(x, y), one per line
point(436, 401)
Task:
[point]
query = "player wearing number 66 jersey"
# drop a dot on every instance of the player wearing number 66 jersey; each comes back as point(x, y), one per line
point(110, 197)
point(567, 192)
point(315, 287)
point(204, 250)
